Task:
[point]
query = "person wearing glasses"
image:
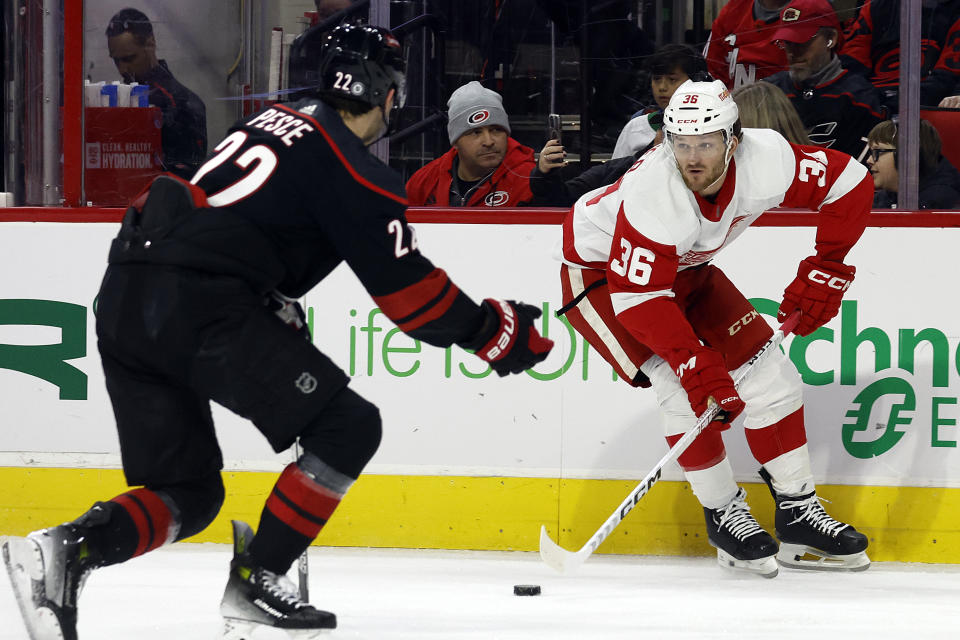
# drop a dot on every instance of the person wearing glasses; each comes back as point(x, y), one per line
point(838, 108)
point(939, 180)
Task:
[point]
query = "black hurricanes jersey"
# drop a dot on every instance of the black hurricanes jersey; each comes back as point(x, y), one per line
point(837, 114)
point(293, 192)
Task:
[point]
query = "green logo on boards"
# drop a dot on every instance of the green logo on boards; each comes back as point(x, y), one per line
point(48, 361)
point(891, 397)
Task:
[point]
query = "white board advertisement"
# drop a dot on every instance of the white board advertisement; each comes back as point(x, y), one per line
point(881, 379)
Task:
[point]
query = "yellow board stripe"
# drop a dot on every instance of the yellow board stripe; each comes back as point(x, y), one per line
point(906, 524)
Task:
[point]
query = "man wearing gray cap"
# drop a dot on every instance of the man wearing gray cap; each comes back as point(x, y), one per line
point(485, 166)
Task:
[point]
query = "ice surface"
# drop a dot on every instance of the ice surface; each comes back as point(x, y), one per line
point(174, 593)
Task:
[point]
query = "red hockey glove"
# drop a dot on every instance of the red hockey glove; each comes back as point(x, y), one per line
point(705, 378)
point(290, 311)
point(816, 292)
point(508, 340)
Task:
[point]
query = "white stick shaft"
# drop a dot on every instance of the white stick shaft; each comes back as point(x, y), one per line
point(303, 567)
point(564, 561)
point(276, 60)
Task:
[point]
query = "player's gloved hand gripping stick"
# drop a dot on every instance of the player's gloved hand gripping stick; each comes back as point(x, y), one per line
point(565, 561)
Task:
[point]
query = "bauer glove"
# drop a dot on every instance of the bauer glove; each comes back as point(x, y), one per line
point(816, 292)
point(508, 339)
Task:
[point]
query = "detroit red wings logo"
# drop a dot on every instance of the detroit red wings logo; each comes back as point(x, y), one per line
point(691, 258)
point(478, 116)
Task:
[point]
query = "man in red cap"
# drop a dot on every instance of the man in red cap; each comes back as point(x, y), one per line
point(739, 50)
point(837, 108)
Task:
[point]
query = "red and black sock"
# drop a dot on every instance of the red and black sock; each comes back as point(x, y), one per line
point(295, 512)
point(130, 525)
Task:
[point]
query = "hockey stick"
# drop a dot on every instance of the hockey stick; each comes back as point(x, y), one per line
point(303, 566)
point(565, 561)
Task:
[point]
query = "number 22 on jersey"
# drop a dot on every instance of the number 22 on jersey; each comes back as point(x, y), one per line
point(264, 157)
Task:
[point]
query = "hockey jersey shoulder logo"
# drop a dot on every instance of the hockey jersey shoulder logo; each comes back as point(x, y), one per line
point(819, 156)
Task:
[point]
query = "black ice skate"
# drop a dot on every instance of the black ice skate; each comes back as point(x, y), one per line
point(741, 543)
point(47, 570)
point(255, 597)
point(811, 539)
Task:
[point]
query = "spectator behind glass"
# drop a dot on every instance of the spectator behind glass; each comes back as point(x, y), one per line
point(485, 166)
point(939, 182)
point(764, 106)
point(837, 108)
point(740, 50)
point(326, 8)
point(669, 67)
point(133, 49)
point(872, 47)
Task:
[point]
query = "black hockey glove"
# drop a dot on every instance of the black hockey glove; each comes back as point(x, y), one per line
point(508, 339)
point(290, 311)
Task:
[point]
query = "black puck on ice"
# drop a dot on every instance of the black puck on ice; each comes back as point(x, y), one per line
point(526, 589)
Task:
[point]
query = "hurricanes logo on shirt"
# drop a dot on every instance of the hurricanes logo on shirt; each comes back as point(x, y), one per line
point(496, 199)
point(478, 116)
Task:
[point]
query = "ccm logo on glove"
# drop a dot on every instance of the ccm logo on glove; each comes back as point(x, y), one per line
point(689, 365)
point(817, 292)
point(832, 281)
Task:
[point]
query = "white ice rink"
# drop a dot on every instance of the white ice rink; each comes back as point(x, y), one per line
point(174, 593)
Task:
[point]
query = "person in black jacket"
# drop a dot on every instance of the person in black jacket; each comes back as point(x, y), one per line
point(198, 304)
point(872, 47)
point(939, 186)
point(837, 108)
point(133, 49)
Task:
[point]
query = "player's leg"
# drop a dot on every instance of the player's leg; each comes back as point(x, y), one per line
point(588, 309)
point(167, 443)
point(774, 426)
point(740, 541)
point(268, 373)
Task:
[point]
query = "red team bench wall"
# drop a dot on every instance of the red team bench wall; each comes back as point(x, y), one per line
point(471, 461)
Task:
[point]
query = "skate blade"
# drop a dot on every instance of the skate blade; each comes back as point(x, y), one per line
point(764, 567)
point(236, 629)
point(798, 556)
point(24, 562)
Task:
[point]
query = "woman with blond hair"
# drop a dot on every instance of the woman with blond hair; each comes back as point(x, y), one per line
point(764, 106)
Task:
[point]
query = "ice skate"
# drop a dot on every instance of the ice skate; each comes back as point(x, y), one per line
point(741, 543)
point(811, 539)
point(48, 569)
point(256, 598)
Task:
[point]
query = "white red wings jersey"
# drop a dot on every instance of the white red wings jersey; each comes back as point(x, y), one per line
point(649, 225)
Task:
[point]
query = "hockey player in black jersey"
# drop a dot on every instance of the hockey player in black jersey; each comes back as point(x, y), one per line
point(198, 304)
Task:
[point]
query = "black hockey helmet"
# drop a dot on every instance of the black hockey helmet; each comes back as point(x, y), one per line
point(362, 63)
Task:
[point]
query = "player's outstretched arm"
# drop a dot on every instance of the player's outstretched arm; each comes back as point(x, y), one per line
point(507, 338)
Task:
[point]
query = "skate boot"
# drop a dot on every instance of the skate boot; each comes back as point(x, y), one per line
point(256, 598)
point(811, 539)
point(48, 569)
point(741, 543)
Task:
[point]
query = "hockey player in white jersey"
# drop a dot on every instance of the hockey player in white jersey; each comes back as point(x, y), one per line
point(638, 285)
